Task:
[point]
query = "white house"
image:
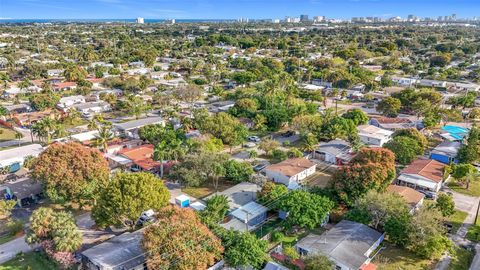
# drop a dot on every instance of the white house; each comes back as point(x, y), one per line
point(55, 72)
point(423, 174)
point(334, 152)
point(15, 157)
point(89, 109)
point(291, 172)
point(402, 81)
point(66, 103)
point(372, 135)
point(432, 83)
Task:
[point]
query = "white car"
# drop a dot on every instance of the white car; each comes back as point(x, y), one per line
point(254, 139)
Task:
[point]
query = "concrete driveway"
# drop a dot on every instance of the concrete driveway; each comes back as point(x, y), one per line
point(12, 248)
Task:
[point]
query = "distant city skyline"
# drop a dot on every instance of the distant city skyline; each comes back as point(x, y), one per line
point(233, 9)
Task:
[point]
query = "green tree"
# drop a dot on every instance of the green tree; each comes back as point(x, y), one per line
point(268, 145)
point(104, 136)
point(57, 233)
point(271, 193)
point(6, 208)
point(136, 106)
point(338, 128)
point(318, 262)
point(217, 208)
point(238, 171)
point(244, 249)
point(445, 204)
point(405, 149)
point(389, 106)
point(414, 134)
point(126, 196)
point(75, 73)
point(358, 116)
point(305, 209)
point(398, 228)
point(227, 128)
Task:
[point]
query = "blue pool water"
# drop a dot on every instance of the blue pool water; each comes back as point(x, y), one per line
point(456, 131)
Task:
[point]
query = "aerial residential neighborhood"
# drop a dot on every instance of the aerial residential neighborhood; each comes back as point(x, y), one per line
point(209, 135)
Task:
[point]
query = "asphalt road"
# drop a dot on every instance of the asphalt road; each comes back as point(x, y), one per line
point(12, 248)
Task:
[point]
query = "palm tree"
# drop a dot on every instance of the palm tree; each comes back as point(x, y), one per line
point(18, 136)
point(44, 128)
point(105, 135)
point(161, 153)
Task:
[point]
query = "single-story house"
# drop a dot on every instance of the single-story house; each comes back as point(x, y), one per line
point(130, 128)
point(120, 252)
point(446, 152)
point(372, 135)
point(402, 81)
point(291, 172)
point(334, 152)
point(89, 109)
point(411, 196)
point(392, 124)
point(423, 174)
point(141, 157)
point(274, 266)
point(19, 108)
point(24, 191)
point(55, 72)
point(246, 217)
point(349, 245)
point(60, 86)
point(239, 195)
point(14, 157)
point(66, 103)
point(432, 83)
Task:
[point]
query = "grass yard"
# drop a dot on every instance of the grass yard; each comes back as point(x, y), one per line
point(6, 238)
point(6, 134)
point(457, 219)
point(32, 260)
point(202, 192)
point(461, 260)
point(473, 190)
point(473, 233)
point(318, 179)
point(393, 258)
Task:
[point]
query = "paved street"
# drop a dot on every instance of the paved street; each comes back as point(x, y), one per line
point(466, 204)
point(27, 138)
point(12, 248)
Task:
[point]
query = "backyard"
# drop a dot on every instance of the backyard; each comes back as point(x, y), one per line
point(204, 191)
point(394, 258)
point(32, 260)
point(473, 190)
point(457, 219)
point(6, 134)
point(318, 179)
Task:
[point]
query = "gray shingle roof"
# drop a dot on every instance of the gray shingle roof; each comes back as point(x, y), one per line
point(138, 123)
point(120, 252)
point(346, 243)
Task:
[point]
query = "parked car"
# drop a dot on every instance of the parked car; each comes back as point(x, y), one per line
point(249, 144)
point(254, 139)
point(260, 167)
point(289, 133)
point(428, 194)
point(146, 217)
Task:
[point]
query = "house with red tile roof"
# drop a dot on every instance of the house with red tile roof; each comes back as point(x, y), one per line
point(413, 198)
point(141, 157)
point(423, 174)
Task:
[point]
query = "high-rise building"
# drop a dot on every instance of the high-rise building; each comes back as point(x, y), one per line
point(319, 18)
point(140, 20)
point(304, 18)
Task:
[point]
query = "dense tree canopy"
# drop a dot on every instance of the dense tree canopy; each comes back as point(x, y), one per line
point(126, 196)
point(178, 240)
point(71, 172)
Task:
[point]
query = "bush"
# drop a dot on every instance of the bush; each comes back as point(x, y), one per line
point(279, 155)
point(276, 236)
point(15, 227)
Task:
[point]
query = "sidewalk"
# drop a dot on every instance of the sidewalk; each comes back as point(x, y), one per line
point(12, 248)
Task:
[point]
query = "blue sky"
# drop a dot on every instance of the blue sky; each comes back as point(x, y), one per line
point(230, 9)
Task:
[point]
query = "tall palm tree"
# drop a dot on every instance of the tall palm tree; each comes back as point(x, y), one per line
point(44, 128)
point(104, 136)
point(161, 153)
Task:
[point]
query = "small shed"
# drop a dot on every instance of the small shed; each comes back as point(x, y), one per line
point(183, 201)
point(251, 213)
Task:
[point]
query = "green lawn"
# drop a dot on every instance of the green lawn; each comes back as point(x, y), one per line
point(461, 260)
point(393, 258)
point(204, 191)
point(457, 219)
point(473, 233)
point(32, 260)
point(6, 134)
point(473, 190)
point(6, 238)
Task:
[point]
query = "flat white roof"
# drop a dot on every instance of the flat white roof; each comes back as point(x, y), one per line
point(18, 154)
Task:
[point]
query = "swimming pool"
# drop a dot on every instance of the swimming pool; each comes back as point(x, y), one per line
point(456, 131)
